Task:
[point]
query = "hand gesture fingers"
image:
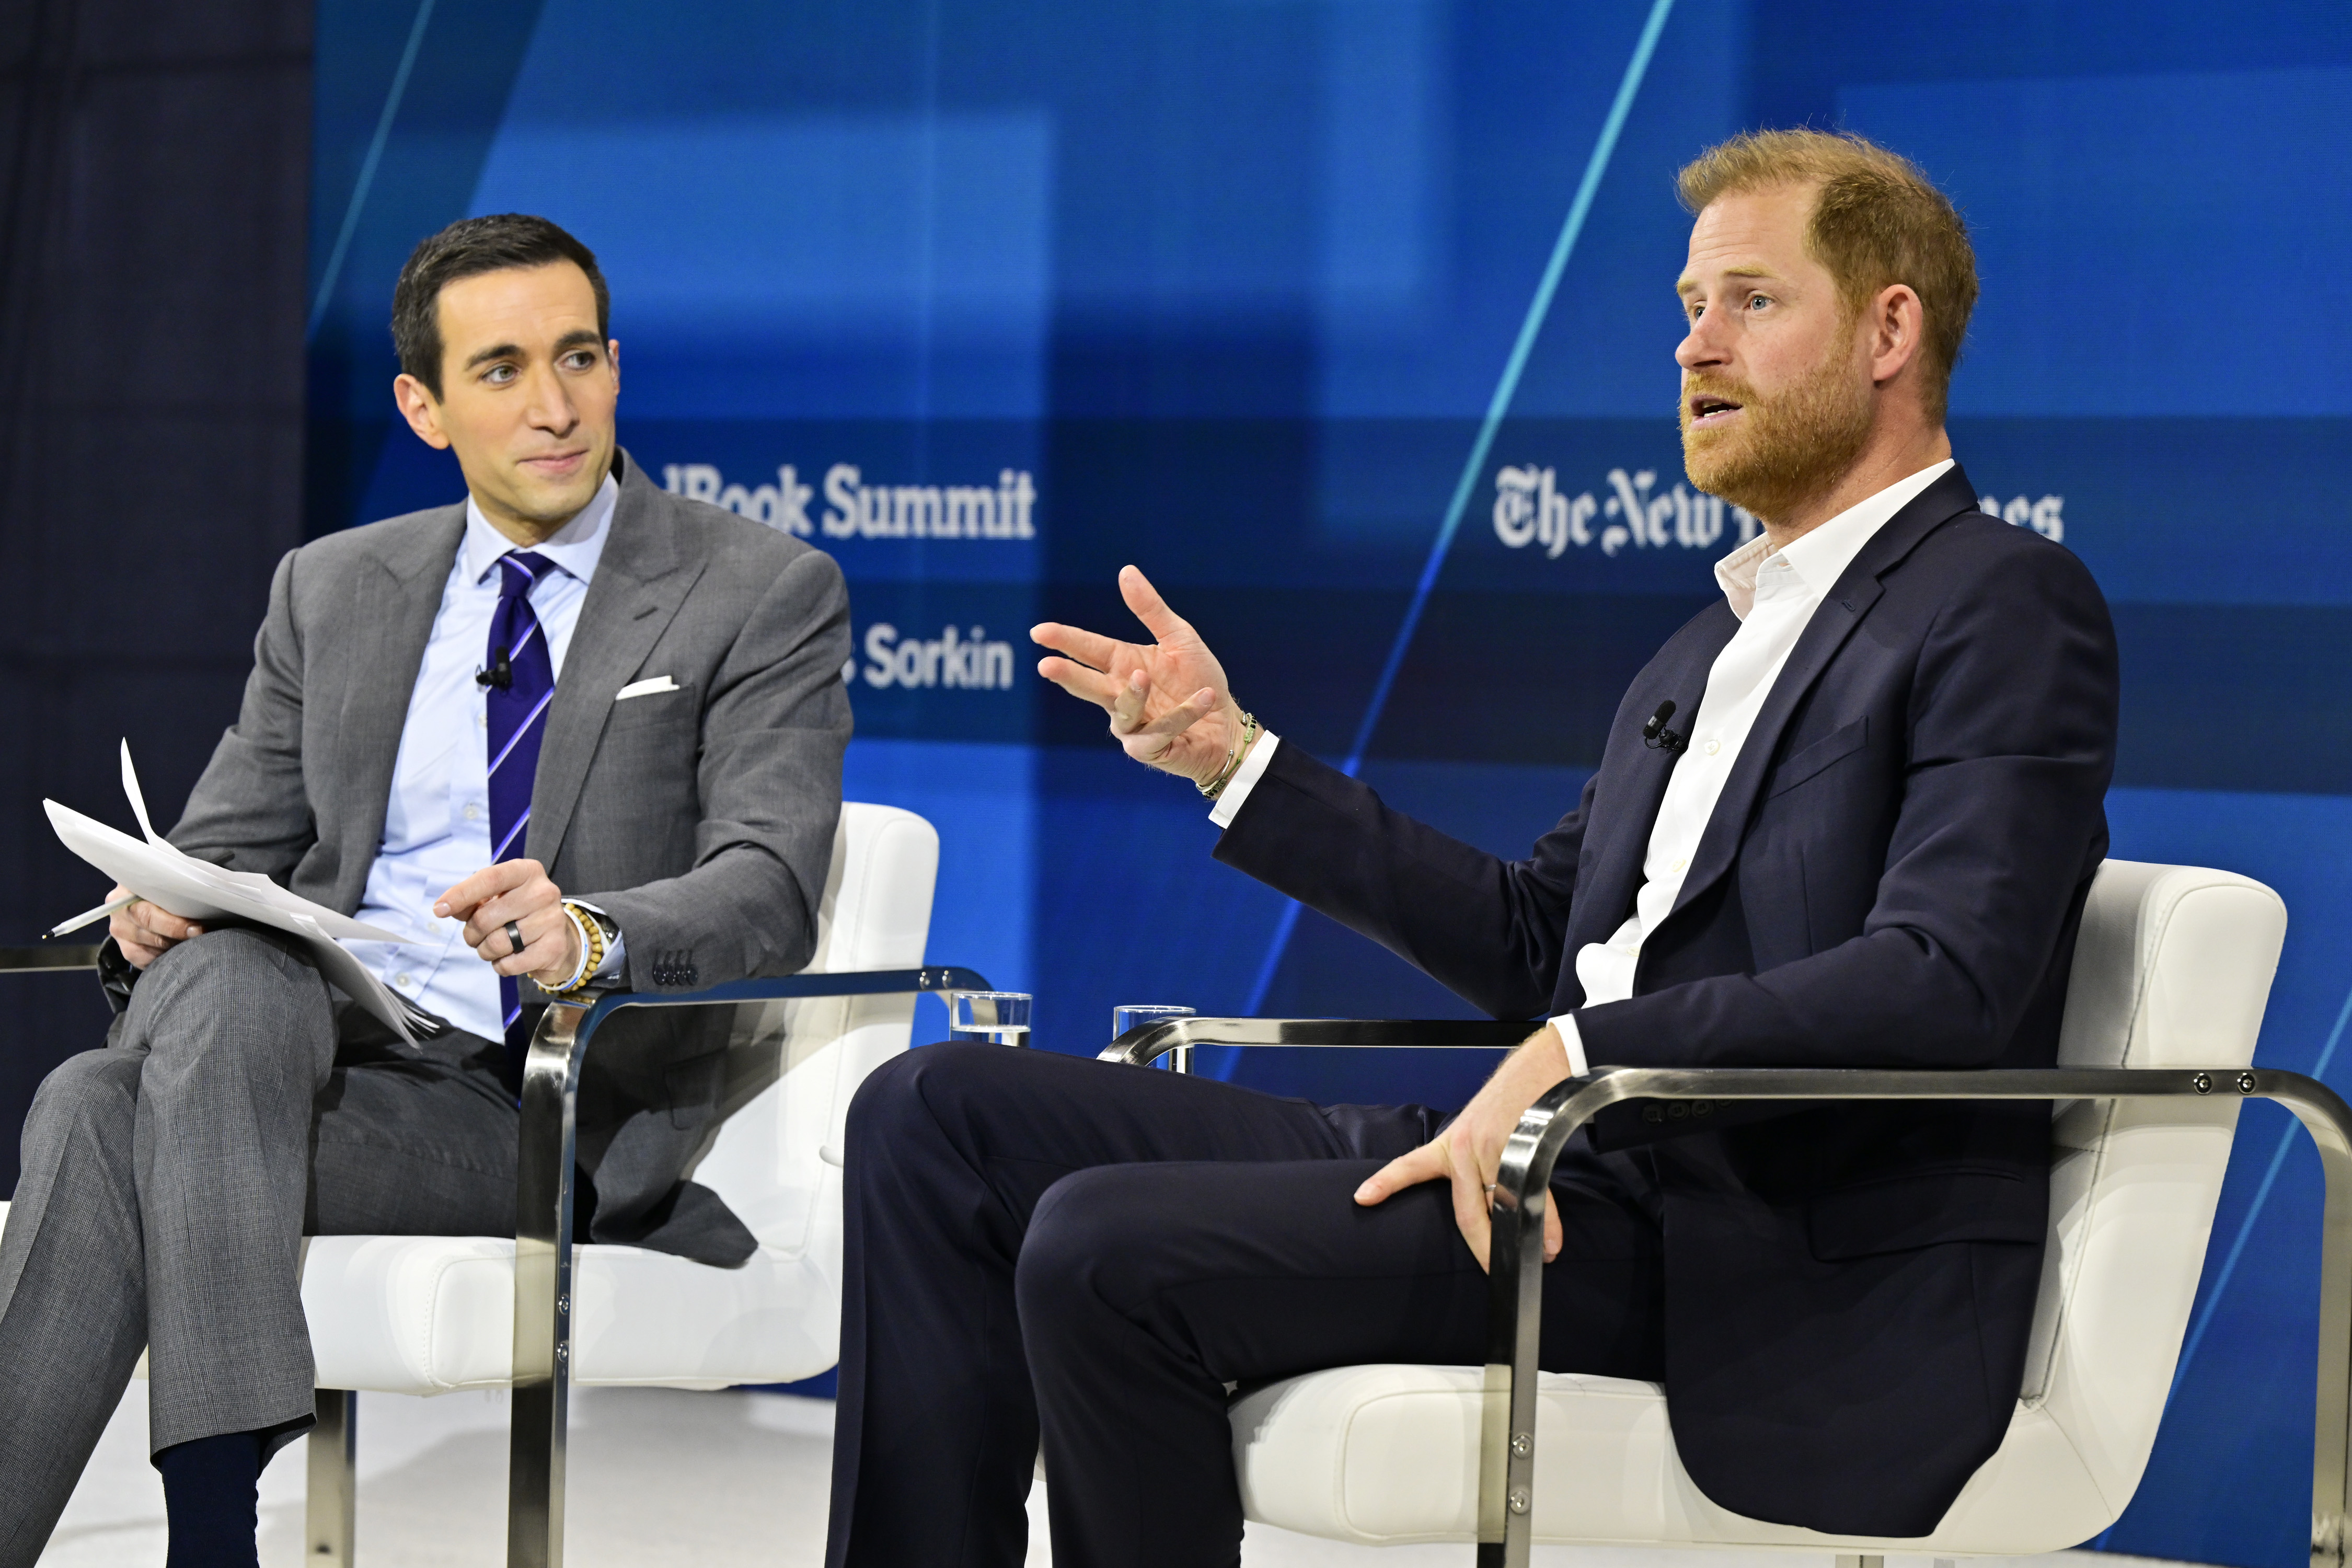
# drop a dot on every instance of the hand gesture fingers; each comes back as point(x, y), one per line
point(1090, 649)
point(1165, 624)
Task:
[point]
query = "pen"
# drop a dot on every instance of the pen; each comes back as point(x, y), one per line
point(87, 916)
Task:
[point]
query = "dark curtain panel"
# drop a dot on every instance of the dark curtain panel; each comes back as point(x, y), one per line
point(153, 180)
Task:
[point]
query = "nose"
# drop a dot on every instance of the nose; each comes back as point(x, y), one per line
point(1705, 345)
point(550, 407)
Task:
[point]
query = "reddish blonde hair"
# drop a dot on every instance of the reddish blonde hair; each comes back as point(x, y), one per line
point(1877, 220)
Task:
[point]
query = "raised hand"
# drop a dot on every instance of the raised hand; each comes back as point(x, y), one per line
point(1167, 700)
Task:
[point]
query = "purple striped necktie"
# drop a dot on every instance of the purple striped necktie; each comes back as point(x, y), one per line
point(517, 721)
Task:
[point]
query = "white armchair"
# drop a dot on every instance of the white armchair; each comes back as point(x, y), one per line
point(2171, 975)
point(426, 1315)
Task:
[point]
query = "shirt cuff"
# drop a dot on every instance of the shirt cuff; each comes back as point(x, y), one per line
point(1235, 795)
point(1571, 1038)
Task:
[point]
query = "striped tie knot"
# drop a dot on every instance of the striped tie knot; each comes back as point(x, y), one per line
point(517, 570)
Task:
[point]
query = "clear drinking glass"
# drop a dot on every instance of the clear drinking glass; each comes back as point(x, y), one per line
point(1135, 1015)
point(999, 1017)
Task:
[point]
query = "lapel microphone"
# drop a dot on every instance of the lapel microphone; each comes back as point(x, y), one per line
point(501, 675)
point(1656, 736)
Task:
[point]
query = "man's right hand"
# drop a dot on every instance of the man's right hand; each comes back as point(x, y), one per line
point(1168, 703)
point(145, 931)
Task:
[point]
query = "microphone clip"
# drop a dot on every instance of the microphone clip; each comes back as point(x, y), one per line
point(1656, 736)
point(500, 674)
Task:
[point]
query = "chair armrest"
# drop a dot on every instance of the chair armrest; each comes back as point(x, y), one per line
point(543, 1210)
point(1142, 1046)
point(1515, 1280)
point(57, 956)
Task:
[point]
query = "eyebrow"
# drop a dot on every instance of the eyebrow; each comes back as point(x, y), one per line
point(496, 351)
point(1686, 284)
point(579, 337)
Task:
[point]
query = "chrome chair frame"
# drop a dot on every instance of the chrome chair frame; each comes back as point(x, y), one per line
point(543, 1208)
point(544, 1195)
point(1515, 1288)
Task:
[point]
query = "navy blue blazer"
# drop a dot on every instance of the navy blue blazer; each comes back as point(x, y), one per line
point(1893, 878)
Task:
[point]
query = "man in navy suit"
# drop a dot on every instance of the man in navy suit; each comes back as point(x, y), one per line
point(1862, 838)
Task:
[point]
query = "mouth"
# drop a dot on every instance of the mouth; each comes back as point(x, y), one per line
point(1707, 411)
point(555, 465)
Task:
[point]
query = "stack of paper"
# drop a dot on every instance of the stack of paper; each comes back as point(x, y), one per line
point(197, 890)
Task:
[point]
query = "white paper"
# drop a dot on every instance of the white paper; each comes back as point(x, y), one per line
point(198, 891)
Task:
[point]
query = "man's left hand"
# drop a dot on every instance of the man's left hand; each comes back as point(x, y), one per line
point(517, 893)
point(1469, 1154)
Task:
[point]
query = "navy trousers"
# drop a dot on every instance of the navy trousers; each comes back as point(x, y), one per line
point(1043, 1247)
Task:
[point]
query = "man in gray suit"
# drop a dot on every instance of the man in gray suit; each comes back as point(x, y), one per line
point(575, 731)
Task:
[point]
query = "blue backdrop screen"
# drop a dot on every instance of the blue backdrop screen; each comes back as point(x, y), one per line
point(989, 298)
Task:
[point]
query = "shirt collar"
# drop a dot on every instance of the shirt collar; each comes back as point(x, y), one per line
point(1822, 554)
point(575, 548)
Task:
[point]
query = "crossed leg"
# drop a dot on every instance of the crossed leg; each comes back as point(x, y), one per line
point(1042, 1243)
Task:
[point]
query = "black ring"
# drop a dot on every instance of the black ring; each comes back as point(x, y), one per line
point(514, 935)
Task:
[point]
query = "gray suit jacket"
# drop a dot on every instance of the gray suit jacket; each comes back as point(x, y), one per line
point(701, 820)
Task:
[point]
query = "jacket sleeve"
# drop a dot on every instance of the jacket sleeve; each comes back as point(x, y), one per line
point(773, 731)
point(2011, 719)
point(1489, 930)
point(251, 805)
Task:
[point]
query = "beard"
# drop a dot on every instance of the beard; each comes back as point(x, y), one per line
point(1784, 449)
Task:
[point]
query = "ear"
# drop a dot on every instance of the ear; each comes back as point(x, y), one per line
point(421, 409)
point(1893, 328)
point(612, 357)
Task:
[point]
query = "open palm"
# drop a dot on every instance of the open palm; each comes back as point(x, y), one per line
point(1167, 700)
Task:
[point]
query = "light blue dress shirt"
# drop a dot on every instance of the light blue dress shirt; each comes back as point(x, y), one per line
point(436, 825)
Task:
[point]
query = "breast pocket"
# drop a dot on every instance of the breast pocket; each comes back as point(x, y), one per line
point(1810, 763)
point(654, 710)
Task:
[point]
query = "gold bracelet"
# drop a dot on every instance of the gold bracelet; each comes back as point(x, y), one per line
point(1239, 754)
point(591, 957)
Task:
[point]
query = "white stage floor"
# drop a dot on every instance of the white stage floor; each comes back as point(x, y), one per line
point(658, 1478)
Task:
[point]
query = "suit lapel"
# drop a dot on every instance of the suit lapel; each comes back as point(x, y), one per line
point(1857, 589)
point(394, 601)
point(1635, 777)
point(641, 580)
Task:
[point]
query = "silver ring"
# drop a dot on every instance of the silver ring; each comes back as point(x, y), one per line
point(514, 935)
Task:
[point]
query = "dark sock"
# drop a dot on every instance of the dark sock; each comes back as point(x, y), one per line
point(211, 1498)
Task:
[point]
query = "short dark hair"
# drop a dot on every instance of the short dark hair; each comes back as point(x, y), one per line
point(468, 248)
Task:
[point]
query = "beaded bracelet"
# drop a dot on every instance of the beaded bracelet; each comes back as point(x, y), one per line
point(591, 950)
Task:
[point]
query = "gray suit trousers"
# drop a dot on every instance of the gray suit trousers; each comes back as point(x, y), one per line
point(168, 1181)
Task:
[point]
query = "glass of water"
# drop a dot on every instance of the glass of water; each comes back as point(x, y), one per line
point(999, 1017)
point(1135, 1015)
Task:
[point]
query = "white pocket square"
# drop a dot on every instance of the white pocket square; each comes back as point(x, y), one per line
point(645, 688)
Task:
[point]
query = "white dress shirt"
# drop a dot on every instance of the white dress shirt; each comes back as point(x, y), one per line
point(436, 825)
point(1774, 594)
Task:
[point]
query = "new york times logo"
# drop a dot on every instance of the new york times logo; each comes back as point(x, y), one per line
point(855, 510)
point(1532, 511)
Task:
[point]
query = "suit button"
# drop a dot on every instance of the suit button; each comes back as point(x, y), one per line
point(1652, 1113)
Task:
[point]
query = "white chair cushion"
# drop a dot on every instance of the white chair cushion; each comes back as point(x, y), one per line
point(428, 1314)
point(1388, 1455)
point(2173, 967)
